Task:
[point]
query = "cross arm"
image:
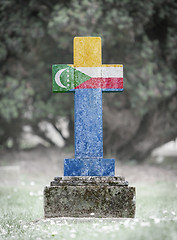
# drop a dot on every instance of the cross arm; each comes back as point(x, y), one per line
point(67, 78)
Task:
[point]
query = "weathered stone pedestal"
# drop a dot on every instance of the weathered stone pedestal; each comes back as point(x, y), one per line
point(89, 197)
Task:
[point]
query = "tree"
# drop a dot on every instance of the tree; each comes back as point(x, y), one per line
point(141, 35)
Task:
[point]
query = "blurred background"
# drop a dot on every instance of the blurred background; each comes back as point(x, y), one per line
point(37, 126)
point(141, 35)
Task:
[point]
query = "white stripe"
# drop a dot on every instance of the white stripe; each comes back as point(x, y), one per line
point(90, 71)
point(105, 72)
point(108, 72)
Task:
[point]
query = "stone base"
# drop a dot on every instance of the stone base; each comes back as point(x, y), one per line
point(106, 197)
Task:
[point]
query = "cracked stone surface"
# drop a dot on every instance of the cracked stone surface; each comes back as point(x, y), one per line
point(89, 197)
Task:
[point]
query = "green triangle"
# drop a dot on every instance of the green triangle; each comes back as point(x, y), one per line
point(80, 77)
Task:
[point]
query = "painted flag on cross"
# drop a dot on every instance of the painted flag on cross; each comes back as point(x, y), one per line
point(66, 77)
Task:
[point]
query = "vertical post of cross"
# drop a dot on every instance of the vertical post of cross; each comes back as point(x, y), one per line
point(88, 103)
point(88, 159)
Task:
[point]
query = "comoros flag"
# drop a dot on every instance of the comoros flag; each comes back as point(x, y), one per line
point(68, 78)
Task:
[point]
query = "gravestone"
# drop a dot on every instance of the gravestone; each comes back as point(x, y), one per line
point(89, 187)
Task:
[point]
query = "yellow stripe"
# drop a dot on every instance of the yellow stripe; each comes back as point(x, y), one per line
point(87, 52)
point(103, 65)
point(112, 65)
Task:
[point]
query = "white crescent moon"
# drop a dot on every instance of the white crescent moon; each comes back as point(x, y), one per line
point(57, 78)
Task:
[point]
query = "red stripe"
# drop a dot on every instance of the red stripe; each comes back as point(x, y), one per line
point(102, 83)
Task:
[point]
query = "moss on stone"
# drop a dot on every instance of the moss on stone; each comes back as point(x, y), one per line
point(104, 200)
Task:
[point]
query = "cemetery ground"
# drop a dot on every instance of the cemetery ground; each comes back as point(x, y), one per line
point(24, 174)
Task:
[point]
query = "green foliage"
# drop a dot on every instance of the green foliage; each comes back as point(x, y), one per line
point(36, 34)
point(15, 97)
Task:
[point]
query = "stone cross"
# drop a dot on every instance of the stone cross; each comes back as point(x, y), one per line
point(88, 78)
point(88, 187)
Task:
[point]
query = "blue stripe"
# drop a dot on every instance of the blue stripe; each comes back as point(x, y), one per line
point(103, 89)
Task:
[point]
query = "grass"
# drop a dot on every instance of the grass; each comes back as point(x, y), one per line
point(21, 216)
